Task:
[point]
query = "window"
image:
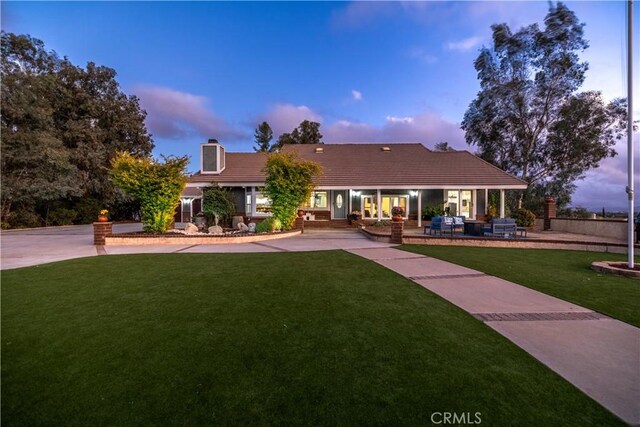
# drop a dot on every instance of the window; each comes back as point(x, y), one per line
point(318, 200)
point(263, 204)
point(389, 202)
point(247, 206)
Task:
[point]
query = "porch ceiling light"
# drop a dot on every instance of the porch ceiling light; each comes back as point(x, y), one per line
point(413, 193)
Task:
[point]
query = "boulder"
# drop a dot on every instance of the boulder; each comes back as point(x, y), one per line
point(216, 229)
point(242, 226)
point(190, 228)
point(236, 220)
point(252, 227)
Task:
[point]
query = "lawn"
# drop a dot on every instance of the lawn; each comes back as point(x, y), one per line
point(279, 338)
point(564, 274)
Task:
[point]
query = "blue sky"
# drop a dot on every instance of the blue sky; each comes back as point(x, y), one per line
point(368, 71)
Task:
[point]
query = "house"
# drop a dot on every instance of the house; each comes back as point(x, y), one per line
point(370, 178)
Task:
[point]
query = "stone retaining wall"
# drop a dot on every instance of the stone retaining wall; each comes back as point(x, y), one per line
point(615, 229)
point(129, 239)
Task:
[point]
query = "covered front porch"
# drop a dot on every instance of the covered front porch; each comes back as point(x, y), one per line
point(374, 204)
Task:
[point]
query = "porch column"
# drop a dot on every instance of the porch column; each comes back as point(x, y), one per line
point(501, 203)
point(474, 200)
point(253, 201)
point(379, 202)
point(350, 207)
point(419, 208)
point(486, 201)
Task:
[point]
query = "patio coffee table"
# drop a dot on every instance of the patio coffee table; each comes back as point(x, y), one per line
point(473, 227)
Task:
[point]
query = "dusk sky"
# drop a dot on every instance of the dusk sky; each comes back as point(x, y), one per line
point(368, 71)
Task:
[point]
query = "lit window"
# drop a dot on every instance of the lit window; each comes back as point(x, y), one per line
point(263, 204)
point(317, 200)
point(388, 202)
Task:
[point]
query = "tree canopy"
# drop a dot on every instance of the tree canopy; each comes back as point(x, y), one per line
point(263, 136)
point(529, 118)
point(306, 133)
point(61, 126)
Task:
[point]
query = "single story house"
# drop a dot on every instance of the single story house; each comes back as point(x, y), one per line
point(370, 178)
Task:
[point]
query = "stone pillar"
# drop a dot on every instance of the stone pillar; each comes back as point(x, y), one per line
point(396, 232)
point(100, 231)
point(299, 224)
point(549, 211)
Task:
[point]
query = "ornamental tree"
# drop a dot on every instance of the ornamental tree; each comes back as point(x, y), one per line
point(156, 185)
point(528, 117)
point(218, 202)
point(289, 184)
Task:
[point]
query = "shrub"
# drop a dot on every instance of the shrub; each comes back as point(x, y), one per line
point(24, 219)
point(269, 225)
point(429, 212)
point(524, 217)
point(288, 184)
point(61, 216)
point(217, 201)
point(156, 185)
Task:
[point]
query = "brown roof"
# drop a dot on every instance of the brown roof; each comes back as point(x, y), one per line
point(367, 165)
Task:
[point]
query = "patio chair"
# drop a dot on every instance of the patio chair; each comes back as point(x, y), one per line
point(458, 224)
point(440, 223)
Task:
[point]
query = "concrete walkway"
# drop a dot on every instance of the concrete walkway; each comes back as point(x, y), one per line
point(599, 355)
point(23, 248)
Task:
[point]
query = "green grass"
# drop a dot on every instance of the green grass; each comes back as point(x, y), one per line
point(563, 274)
point(283, 338)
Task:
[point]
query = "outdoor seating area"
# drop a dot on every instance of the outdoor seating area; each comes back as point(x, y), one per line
point(504, 227)
point(498, 227)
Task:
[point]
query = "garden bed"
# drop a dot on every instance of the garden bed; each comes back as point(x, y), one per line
point(176, 238)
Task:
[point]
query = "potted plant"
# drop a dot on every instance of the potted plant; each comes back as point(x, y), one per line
point(103, 216)
point(300, 213)
point(354, 216)
point(397, 213)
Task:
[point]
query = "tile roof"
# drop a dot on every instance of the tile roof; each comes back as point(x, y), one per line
point(367, 165)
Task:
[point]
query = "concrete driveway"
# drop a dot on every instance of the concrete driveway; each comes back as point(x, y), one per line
point(22, 248)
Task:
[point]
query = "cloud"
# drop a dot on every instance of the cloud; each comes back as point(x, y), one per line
point(421, 55)
point(605, 186)
point(361, 13)
point(465, 45)
point(357, 95)
point(172, 114)
point(286, 117)
point(428, 128)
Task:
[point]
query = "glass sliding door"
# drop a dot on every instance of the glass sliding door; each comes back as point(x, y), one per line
point(459, 203)
point(369, 207)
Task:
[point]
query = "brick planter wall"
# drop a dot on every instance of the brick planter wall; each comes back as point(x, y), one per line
point(100, 231)
point(396, 232)
point(299, 224)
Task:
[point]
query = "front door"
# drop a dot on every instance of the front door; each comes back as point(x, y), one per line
point(339, 204)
